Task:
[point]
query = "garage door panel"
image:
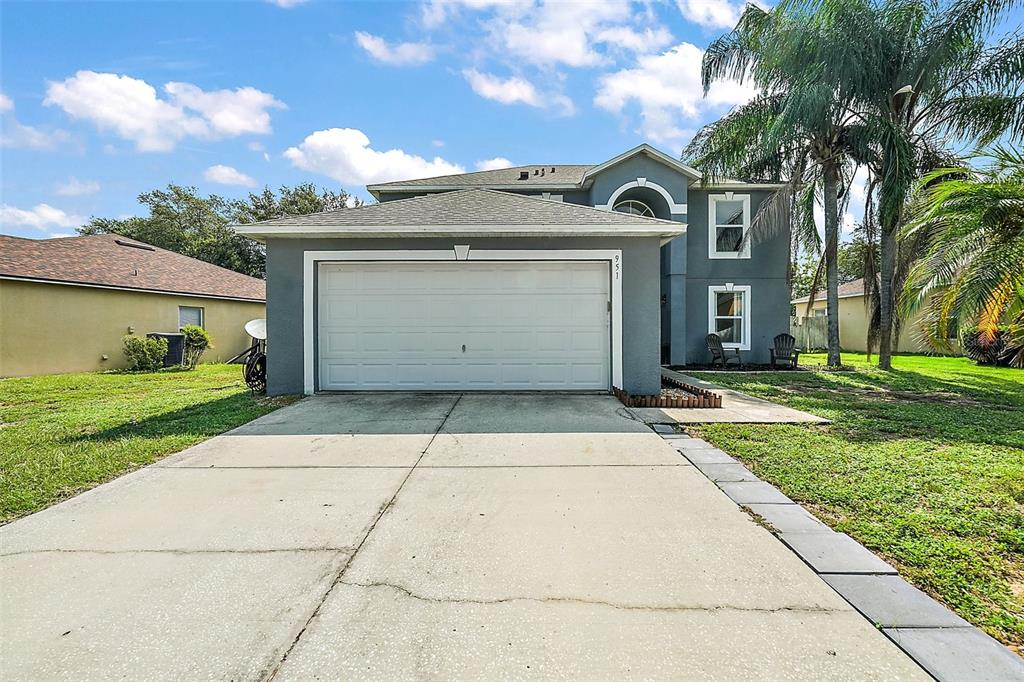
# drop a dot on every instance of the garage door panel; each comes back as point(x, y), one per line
point(341, 342)
point(588, 342)
point(537, 325)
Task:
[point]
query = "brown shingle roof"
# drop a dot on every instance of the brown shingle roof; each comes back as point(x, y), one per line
point(114, 261)
point(848, 290)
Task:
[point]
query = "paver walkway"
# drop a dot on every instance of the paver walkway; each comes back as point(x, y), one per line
point(737, 408)
point(422, 537)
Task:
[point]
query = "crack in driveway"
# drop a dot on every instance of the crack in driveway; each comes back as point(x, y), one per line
point(594, 602)
point(180, 551)
point(273, 671)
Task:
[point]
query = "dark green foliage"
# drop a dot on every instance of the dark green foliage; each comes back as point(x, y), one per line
point(197, 341)
point(970, 224)
point(988, 351)
point(183, 221)
point(889, 85)
point(144, 354)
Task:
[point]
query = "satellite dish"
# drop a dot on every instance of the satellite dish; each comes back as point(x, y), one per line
point(257, 329)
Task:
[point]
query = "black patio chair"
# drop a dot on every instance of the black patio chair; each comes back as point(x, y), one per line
point(719, 353)
point(784, 350)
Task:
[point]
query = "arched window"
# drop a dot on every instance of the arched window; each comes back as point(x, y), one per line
point(634, 207)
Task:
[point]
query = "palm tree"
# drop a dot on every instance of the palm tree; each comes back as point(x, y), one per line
point(924, 74)
point(798, 128)
point(973, 268)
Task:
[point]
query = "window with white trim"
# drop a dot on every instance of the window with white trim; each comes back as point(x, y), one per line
point(728, 224)
point(729, 315)
point(188, 314)
point(634, 207)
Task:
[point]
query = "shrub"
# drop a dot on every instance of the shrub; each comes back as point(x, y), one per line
point(985, 352)
point(197, 340)
point(144, 354)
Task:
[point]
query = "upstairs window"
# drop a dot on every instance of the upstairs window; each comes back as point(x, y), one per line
point(634, 207)
point(729, 315)
point(728, 224)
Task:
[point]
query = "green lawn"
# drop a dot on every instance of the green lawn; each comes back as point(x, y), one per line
point(923, 464)
point(60, 435)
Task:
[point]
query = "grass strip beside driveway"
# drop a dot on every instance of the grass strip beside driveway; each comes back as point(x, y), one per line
point(923, 464)
point(63, 434)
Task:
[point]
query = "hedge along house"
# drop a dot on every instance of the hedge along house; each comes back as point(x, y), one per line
point(531, 278)
point(66, 303)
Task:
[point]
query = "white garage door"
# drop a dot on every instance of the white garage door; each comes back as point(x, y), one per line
point(464, 325)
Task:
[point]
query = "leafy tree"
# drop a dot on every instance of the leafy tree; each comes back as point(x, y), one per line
point(798, 128)
point(183, 221)
point(925, 75)
point(299, 200)
point(972, 222)
point(852, 258)
point(883, 83)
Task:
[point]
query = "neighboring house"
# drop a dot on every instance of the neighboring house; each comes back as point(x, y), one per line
point(853, 320)
point(546, 277)
point(65, 303)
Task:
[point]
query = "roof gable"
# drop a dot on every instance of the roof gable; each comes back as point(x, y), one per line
point(110, 260)
point(649, 151)
point(466, 211)
point(553, 176)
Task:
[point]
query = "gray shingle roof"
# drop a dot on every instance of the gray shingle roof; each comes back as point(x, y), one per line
point(468, 207)
point(565, 175)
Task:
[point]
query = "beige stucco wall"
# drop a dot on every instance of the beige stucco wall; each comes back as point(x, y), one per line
point(853, 326)
point(57, 328)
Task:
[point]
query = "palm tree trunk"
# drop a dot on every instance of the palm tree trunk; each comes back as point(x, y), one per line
point(831, 200)
point(887, 271)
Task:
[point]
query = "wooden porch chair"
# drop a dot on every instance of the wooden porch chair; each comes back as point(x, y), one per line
point(720, 354)
point(784, 350)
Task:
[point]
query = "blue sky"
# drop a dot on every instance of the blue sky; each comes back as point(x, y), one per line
point(102, 101)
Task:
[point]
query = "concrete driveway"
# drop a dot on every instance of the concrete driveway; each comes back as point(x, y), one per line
point(422, 537)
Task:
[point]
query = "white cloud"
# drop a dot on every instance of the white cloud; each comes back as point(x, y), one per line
point(437, 143)
point(667, 89)
point(226, 175)
point(436, 12)
point(18, 135)
point(515, 90)
point(131, 109)
point(552, 33)
point(345, 155)
point(494, 164)
point(859, 187)
point(395, 54)
point(229, 113)
point(41, 217)
point(847, 223)
point(287, 4)
point(711, 13)
point(643, 42)
point(76, 188)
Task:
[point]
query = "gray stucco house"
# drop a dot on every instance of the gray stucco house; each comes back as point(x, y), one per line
point(553, 277)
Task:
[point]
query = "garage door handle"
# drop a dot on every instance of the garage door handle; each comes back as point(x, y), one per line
point(463, 348)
